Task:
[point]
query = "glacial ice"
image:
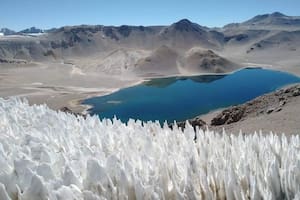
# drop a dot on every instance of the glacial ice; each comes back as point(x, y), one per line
point(46, 154)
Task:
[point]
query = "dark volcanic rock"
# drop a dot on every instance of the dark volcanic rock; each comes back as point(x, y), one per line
point(270, 110)
point(229, 116)
point(13, 61)
point(296, 92)
point(238, 37)
point(195, 122)
point(68, 110)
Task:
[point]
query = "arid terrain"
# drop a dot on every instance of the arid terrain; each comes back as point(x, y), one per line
point(62, 66)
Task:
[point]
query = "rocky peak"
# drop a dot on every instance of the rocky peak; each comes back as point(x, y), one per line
point(277, 14)
point(186, 25)
point(183, 22)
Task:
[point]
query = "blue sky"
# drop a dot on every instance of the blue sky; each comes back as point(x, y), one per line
point(20, 14)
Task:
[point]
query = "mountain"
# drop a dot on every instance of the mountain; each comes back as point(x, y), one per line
point(31, 30)
point(268, 38)
point(182, 47)
point(267, 21)
point(187, 26)
point(275, 18)
point(7, 31)
point(135, 49)
point(206, 61)
point(290, 40)
point(186, 34)
point(162, 60)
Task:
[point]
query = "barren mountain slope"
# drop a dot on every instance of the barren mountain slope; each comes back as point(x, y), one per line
point(91, 55)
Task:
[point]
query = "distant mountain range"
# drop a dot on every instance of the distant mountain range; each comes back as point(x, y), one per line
point(274, 19)
point(32, 30)
point(7, 31)
point(182, 47)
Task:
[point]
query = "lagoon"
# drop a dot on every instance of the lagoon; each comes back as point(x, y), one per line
point(181, 98)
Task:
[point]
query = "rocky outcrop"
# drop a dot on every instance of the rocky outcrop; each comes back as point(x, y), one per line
point(12, 61)
point(187, 25)
point(68, 110)
point(266, 104)
point(195, 122)
point(229, 116)
point(262, 105)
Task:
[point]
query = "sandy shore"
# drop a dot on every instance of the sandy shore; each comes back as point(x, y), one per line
point(58, 86)
point(64, 85)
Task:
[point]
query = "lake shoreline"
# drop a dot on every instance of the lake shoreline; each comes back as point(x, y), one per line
point(242, 73)
point(78, 106)
point(283, 120)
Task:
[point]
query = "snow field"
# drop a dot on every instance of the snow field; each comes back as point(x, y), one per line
point(46, 154)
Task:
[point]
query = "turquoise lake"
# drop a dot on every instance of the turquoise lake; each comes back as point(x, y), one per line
point(181, 98)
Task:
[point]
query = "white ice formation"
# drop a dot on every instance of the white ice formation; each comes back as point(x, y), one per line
point(46, 154)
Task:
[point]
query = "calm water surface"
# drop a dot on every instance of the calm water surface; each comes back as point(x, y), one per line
point(181, 98)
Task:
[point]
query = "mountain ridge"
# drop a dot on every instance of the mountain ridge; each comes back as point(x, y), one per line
point(92, 45)
point(180, 22)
